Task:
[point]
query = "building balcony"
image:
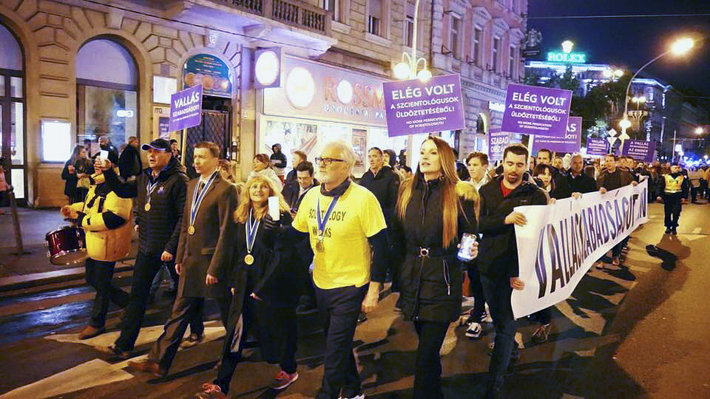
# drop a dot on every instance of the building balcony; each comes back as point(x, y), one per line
point(289, 12)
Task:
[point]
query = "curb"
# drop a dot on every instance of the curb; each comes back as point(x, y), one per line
point(58, 276)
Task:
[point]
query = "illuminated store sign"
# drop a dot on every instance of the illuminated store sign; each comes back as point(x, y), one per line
point(572, 58)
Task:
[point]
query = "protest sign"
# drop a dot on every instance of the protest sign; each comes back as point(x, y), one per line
point(639, 150)
point(561, 241)
point(569, 143)
point(497, 141)
point(536, 110)
point(413, 106)
point(599, 147)
point(186, 108)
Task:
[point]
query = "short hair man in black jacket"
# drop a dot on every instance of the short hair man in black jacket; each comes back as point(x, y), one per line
point(160, 190)
point(498, 253)
point(383, 182)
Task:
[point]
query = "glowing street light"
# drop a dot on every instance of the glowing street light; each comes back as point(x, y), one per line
point(678, 48)
point(639, 99)
point(699, 130)
point(682, 46)
point(408, 68)
point(624, 124)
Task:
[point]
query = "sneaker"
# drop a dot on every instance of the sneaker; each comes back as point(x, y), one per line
point(541, 334)
point(674, 231)
point(599, 265)
point(283, 379)
point(668, 230)
point(362, 317)
point(192, 340)
point(361, 396)
point(474, 330)
point(117, 352)
point(615, 261)
point(211, 391)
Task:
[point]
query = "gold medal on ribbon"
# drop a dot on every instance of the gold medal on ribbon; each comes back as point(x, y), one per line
point(249, 259)
point(319, 244)
point(147, 207)
point(191, 230)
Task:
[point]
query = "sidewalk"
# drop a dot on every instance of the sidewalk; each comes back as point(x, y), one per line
point(33, 267)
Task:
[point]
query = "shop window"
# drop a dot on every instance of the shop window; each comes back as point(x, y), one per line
point(107, 92)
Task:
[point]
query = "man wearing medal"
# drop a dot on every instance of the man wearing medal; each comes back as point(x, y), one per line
point(347, 233)
point(204, 257)
point(160, 200)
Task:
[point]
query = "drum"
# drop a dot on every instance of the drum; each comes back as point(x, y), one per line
point(66, 246)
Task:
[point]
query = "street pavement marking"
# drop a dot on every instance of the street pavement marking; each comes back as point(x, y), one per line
point(213, 331)
point(95, 372)
point(86, 375)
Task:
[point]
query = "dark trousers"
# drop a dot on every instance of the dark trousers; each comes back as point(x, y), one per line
point(99, 274)
point(694, 193)
point(544, 316)
point(672, 208)
point(479, 299)
point(185, 310)
point(144, 271)
point(497, 290)
point(339, 308)
point(277, 332)
point(427, 374)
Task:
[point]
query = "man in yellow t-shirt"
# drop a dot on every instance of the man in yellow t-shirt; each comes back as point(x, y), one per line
point(347, 234)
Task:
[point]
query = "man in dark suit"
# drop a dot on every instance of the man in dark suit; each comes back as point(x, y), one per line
point(294, 192)
point(204, 256)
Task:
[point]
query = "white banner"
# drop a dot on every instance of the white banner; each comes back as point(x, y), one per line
point(562, 241)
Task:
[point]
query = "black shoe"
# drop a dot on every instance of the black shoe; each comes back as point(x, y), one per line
point(118, 352)
point(668, 230)
point(361, 318)
point(674, 231)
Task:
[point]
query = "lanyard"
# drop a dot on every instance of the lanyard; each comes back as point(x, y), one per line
point(324, 221)
point(197, 198)
point(150, 188)
point(251, 227)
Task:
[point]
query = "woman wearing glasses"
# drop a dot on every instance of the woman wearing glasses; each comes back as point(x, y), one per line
point(267, 282)
point(434, 210)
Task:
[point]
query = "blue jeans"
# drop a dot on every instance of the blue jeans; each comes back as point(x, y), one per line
point(497, 291)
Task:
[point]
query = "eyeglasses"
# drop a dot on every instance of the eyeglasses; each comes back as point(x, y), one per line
point(327, 161)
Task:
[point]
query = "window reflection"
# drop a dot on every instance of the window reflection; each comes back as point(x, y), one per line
point(107, 112)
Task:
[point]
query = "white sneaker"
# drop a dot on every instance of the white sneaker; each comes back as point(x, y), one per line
point(361, 396)
point(474, 330)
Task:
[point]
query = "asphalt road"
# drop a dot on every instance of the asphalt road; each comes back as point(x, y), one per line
point(640, 331)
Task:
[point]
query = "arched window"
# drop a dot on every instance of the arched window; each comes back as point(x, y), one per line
point(12, 111)
point(107, 93)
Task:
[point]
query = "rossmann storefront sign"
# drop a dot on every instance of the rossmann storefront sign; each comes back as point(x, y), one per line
point(318, 91)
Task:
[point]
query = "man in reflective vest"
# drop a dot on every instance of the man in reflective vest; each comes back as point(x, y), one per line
point(675, 193)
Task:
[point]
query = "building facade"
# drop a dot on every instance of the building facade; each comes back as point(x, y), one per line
point(482, 41)
point(78, 70)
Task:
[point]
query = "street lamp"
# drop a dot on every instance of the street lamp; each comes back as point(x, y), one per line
point(408, 68)
point(699, 130)
point(678, 48)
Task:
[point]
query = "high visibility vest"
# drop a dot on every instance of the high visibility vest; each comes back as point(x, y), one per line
point(674, 185)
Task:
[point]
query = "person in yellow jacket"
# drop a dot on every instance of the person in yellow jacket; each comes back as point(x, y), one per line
point(105, 218)
point(675, 193)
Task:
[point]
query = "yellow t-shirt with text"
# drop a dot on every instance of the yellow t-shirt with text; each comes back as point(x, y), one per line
point(345, 260)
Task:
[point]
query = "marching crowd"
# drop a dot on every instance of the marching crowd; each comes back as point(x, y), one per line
point(259, 248)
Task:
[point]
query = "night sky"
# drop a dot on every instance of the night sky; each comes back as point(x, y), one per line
point(630, 42)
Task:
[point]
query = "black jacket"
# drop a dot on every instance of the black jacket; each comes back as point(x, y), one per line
point(290, 193)
point(129, 163)
point(498, 250)
point(385, 186)
point(279, 274)
point(625, 178)
point(430, 287)
point(684, 188)
point(70, 181)
point(581, 184)
point(158, 228)
point(281, 158)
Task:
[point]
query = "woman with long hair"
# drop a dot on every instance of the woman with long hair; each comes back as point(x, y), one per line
point(262, 167)
point(268, 279)
point(434, 210)
point(76, 174)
